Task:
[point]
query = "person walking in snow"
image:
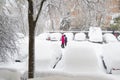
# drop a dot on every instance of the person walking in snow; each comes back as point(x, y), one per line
point(65, 40)
point(62, 41)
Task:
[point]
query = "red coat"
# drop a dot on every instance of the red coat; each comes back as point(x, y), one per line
point(63, 39)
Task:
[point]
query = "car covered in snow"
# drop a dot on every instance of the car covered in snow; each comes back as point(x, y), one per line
point(55, 36)
point(47, 54)
point(80, 37)
point(108, 38)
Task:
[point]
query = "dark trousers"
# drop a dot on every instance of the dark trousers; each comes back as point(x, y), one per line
point(62, 45)
point(65, 43)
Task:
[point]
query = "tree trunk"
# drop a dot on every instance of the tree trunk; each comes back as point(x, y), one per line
point(31, 40)
point(31, 51)
point(32, 25)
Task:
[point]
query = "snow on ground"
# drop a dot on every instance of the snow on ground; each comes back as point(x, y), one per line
point(48, 53)
point(69, 76)
point(9, 74)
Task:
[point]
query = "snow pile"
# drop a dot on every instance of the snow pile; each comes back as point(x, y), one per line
point(111, 55)
point(69, 36)
point(80, 36)
point(9, 74)
point(109, 38)
point(55, 36)
point(95, 34)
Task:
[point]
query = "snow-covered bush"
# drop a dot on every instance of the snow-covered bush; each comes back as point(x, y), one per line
point(80, 36)
point(108, 37)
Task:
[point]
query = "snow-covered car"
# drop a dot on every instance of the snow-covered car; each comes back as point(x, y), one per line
point(79, 63)
point(44, 36)
point(80, 37)
point(111, 56)
point(108, 37)
point(95, 34)
point(81, 58)
point(55, 36)
point(118, 37)
point(47, 54)
point(69, 36)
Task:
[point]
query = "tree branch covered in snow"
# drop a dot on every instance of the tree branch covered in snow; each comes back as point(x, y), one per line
point(8, 38)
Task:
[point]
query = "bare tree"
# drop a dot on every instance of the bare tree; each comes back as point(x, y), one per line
point(32, 26)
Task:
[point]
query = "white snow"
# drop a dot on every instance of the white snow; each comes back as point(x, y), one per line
point(80, 36)
point(95, 34)
point(44, 36)
point(9, 74)
point(118, 37)
point(69, 36)
point(55, 36)
point(111, 55)
point(108, 38)
point(46, 54)
point(84, 45)
point(81, 60)
point(81, 76)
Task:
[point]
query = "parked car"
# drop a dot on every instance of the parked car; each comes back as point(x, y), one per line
point(80, 37)
point(108, 38)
